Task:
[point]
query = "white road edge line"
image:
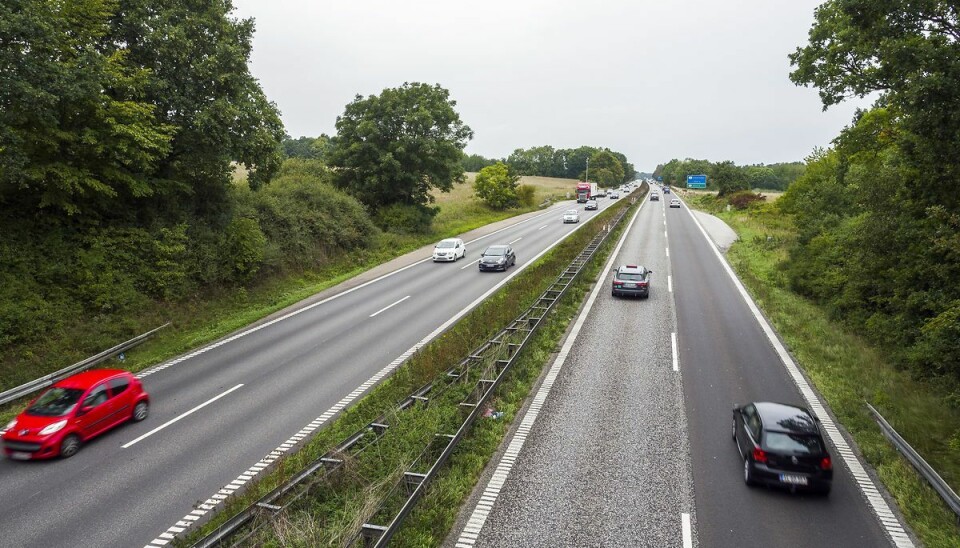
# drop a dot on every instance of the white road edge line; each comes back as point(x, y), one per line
point(685, 530)
point(271, 457)
point(389, 306)
point(868, 488)
point(202, 350)
point(673, 346)
point(181, 416)
point(479, 515)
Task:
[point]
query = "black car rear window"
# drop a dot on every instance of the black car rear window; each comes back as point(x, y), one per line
point(792, 444)
point(630, 276)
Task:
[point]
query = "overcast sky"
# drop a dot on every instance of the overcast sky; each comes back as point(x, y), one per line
point(655, 80)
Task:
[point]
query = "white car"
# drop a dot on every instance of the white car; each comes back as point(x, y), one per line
point(571, 216)
point(450, 249)
point(674, 202)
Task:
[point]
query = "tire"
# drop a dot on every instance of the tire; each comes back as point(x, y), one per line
point(140, 411)
point(733, 429)
point(748, 473)
point(69, 446)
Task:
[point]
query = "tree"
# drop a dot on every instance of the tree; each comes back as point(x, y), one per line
point(76, 130)
point(727, 178)
point(476, 162)
point(605, 169)
point(397, 146)
point(496, 186)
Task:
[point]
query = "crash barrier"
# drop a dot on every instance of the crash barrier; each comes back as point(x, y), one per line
point(47, 380)
point(485, 367)
point(927, 471)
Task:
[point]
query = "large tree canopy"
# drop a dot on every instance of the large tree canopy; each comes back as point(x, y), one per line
point(605, 169)
point(395, 147)
point(107, 104)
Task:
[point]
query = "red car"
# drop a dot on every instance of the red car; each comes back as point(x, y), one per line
point(73, 411)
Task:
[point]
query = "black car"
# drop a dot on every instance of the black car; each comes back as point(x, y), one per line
point(497, 257)
point(782, 445)
point(631, 280)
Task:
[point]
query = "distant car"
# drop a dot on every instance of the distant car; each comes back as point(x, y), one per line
point(631, 280)
point(654, 197)
point(497, 257)
point(600, 193)
point(674, 202)
point(782, 445)
point(614, 195)
point(591, 204)
point(73, 411)
point(450, 249)
point(666, 190)
point(571, 216)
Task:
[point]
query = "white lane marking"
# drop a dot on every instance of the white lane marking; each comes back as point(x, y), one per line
point(668, 251)
point(307, 430)
point(670, 283)
point(673, 346)
point(217, 344)
point(685, 530)
point(515, 241)
point(389, 306)
point(181, 416)
point(542, 227)
point(867, 487)
point(478, 518)
point(471, 263)
point(665, 234)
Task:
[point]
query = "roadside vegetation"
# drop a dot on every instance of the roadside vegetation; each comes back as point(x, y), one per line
point(849, 370)
point(332, 510)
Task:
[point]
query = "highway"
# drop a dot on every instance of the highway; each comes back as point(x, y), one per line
point(223, 413)
point(631, 443)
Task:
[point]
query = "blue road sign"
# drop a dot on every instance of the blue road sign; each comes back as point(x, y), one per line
point(696, 181)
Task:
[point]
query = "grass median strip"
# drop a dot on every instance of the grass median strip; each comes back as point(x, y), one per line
point(331, 512)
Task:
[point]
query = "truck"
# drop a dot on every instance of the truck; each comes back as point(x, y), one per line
point(586, 191)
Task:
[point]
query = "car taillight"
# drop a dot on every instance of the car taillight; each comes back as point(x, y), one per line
point(825, 463)
point(759, 455)
point(642, 284)
point(617, 282)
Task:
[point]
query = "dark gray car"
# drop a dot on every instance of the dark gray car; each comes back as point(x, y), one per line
point(497, 257)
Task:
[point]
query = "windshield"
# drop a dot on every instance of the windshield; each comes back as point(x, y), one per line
point(55, 402)
point(632, 277)
point(793, 444)
point(571, 212)
point(495, 251)
point(446, 244)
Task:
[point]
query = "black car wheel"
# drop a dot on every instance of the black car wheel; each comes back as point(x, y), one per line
point(733, 429)
point(69, 446)
point(748, 473)
point(140, 411)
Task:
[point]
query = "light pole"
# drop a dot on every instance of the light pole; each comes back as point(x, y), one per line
point(586, 177)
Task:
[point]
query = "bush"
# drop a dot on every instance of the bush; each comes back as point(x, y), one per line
point(527, 195)
point(744, 199)
point(406, 218)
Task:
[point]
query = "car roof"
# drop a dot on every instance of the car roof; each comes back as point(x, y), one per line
point(89, 378)
point(784, 417)
point(454, 240)
point(497, 246)
point(571, 211)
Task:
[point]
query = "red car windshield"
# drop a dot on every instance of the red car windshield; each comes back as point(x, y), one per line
point(55, 402)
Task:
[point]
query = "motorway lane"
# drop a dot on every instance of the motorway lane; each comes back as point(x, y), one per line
point(605, 463)
point(291, 371)
point(726, 358)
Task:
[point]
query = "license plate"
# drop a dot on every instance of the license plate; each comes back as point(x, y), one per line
point(793, 480)
point(630, 286)
point(20, 455)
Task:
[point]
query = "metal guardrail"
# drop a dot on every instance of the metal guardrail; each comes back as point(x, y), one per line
point(46, 380)
point(501, 346)
point(927, 471)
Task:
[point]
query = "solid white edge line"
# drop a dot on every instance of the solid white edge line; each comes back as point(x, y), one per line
point(868, 488)
point(673, 346)
point(478, 517)
point(160, 367)
point(271, 457)
point(686, 531)
point(181, 416)
point(389, 306)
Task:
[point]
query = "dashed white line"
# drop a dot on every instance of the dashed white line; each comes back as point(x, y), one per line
point(686, 531)
point(668, 251)
point(515, 241)
point(673, 346)
point(177, 418)
point(468, 265)
point(670, 283)
point(389, 306)
point(542, 227)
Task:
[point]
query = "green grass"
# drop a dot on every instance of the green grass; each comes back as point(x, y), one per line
point(848, 372)
point(330, 513)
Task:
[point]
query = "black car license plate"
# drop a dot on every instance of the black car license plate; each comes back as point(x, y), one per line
point(791, 479)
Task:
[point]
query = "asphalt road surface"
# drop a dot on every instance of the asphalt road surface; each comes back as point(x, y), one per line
point(218, 414)
point(632, 445)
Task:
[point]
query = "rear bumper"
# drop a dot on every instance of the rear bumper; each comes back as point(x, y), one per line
point(638, 292)
point(766, 475)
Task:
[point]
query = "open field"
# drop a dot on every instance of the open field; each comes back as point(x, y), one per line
point(768, 195)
